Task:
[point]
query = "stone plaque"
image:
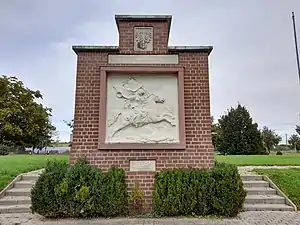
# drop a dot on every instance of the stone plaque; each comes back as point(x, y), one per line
point(142, 109)
point(142, 166)
point(143, 59)
point(143, 39)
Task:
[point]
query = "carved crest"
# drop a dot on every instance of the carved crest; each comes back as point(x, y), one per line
point(143, 38)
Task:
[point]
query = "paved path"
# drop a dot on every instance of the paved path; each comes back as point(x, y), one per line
point(245, 218)
point(248, 169)
point(35, 172)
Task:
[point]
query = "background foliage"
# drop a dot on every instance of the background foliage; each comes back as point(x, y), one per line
point(23, 121)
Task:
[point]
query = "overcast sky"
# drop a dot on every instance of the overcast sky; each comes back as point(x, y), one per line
point(253, 61)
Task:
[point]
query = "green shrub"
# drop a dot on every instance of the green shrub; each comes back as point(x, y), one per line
point(228, 195)
point(279, 153)
point(43, 196)
point(81, 191)
point(5, 149)
point(283, 147)
point(198, 192)
point(136, 197)
point(74, 191)
point(115, 198)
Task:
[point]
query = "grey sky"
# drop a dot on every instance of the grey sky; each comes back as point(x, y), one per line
point(253, 61)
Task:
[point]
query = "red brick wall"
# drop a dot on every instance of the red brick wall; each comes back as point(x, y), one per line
point(160, 36)
point(199, 149)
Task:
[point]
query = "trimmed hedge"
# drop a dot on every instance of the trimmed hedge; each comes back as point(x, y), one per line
point(201, 192)
point(79, 191)
point(44, 201)
point(84, 191)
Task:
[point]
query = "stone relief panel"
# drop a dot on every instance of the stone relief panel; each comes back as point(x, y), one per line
point(143, 38)
point(142, 109)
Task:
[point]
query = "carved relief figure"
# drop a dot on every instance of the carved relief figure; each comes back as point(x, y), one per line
point(143, 37)
point(141, 108)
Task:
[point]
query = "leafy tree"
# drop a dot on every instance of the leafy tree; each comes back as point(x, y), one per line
point(294, 138)
point(298, 129)
point(238, 135)
point(297, 146)
point(23, 121)
point(70, 124)
point(270, 138)
point(214, 131)
point(54, 138)
point(297, 143)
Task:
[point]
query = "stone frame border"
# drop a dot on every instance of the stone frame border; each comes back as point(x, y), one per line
point(104, 71)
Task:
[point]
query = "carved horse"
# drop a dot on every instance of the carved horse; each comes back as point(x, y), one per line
point(140, 108)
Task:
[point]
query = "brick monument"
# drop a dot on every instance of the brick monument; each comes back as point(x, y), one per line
point(143, 105)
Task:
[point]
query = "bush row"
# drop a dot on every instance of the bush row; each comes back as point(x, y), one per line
point(84, 191)
point(199, 192)
point(79, 191)
point(8, 149)
point(4, 149)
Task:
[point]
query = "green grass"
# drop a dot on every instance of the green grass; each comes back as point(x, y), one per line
point(261, 160)
point(13, 165)
point(288, 180)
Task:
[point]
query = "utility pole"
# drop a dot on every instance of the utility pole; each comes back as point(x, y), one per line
point(296, 44)
point(286, 140)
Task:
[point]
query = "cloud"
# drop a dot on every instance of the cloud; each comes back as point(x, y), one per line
point(253, 61)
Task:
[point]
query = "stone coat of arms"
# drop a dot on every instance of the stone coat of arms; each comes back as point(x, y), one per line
point(143, 38)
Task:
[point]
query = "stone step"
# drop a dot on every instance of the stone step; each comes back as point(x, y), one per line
point(257, 183)
point(267, 207)
point(30, 177)
point(15, 200)
point(250, 177)
point(260, 191)
point(264, 199)
point(18, 192)
point(24, 184)
point(15, 209)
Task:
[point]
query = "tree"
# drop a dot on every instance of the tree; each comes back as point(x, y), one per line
point(70, 124)
point(214, 132)
point(54, 138)
point(297, 146)
point(298, 129)
point(294, 138)
point(238, 135)
point(270, 138)
point(23, 121)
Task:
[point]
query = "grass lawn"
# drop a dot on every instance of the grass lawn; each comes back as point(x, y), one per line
point(13, 165)
point(261, 160)
point(288, 180)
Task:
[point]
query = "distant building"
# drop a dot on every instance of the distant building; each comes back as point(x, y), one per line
point(51, 150)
